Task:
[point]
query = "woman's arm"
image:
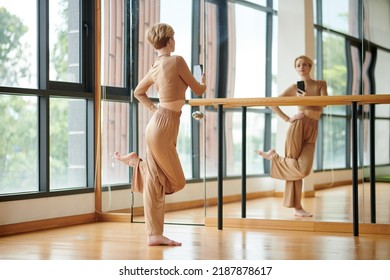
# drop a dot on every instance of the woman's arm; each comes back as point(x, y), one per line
point(140, 93)
point(290, 91)
point(323, 89)
point(187, 76)
point(280, 113)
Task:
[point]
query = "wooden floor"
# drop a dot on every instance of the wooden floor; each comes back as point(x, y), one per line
point(126, 241)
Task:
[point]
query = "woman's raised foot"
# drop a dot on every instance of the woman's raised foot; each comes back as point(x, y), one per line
point(267, 155)
point(129, 159)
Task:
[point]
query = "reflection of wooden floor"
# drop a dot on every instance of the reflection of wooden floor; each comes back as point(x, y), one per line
point(332, 205)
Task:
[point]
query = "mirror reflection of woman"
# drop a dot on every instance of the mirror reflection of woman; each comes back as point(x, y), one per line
point(161, 172)
point(300, 138)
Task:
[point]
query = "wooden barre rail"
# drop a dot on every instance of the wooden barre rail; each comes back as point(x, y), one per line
point(292, 101)
point(351, 100)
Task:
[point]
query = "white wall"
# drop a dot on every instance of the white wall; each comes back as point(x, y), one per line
point(19, 211)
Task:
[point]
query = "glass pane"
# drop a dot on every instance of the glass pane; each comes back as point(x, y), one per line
point(335, 69)
point(115, 138)
point(19, 144)
point(233, 138)
point(382, 110)
point(64, 39)
point(254, 141)
point(341, 16)
point(209, 48)
point(382, 68)
point(247, 59)
point(377, 22)
point(274, 82)
point(113, 43)
point(18, 41)
point(334, 142)
point(68, 150)
point(382, 142)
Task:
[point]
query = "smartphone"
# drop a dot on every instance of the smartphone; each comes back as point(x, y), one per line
point(301, 86)
point(198, 72)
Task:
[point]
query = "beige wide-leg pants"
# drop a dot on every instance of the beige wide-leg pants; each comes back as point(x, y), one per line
point(299, 155)
point(161, 173)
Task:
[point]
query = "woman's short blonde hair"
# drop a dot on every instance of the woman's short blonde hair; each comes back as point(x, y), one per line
point(159, 34)
point(305, 58)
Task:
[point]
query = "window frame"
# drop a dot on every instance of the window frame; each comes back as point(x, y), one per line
point(50, 89)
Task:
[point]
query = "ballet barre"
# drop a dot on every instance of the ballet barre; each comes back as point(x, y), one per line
point(348, 100)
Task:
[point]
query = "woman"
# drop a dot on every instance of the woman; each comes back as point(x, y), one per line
point(300, 139)
point(161, 173)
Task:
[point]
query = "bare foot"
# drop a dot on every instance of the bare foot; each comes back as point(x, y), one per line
point(156, 240)
point(128, 159)
point(267, 155)
point(302, 213)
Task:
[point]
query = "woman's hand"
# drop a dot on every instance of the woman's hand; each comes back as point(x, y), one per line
point(203, 79)
point(301, 93)
point(297, 116)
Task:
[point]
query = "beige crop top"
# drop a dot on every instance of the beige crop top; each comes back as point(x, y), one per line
point(172, 78)
point(312, 88)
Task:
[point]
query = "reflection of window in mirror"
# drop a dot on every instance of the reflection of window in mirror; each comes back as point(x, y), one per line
point(113, 43)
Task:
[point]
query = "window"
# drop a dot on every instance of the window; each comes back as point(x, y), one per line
point(46, 99)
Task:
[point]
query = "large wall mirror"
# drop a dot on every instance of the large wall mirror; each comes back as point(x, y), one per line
point(247, 49)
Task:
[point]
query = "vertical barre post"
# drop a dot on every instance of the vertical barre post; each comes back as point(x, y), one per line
point(355, 186)
point(243, 164)
point(372, 164)
point(220, 166)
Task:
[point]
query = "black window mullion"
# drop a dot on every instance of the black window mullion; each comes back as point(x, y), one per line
point(43, 44)
point(43, 143)
point(268, 82)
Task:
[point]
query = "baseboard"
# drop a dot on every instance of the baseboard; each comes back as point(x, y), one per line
point(46, 224)
point(113, 217)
